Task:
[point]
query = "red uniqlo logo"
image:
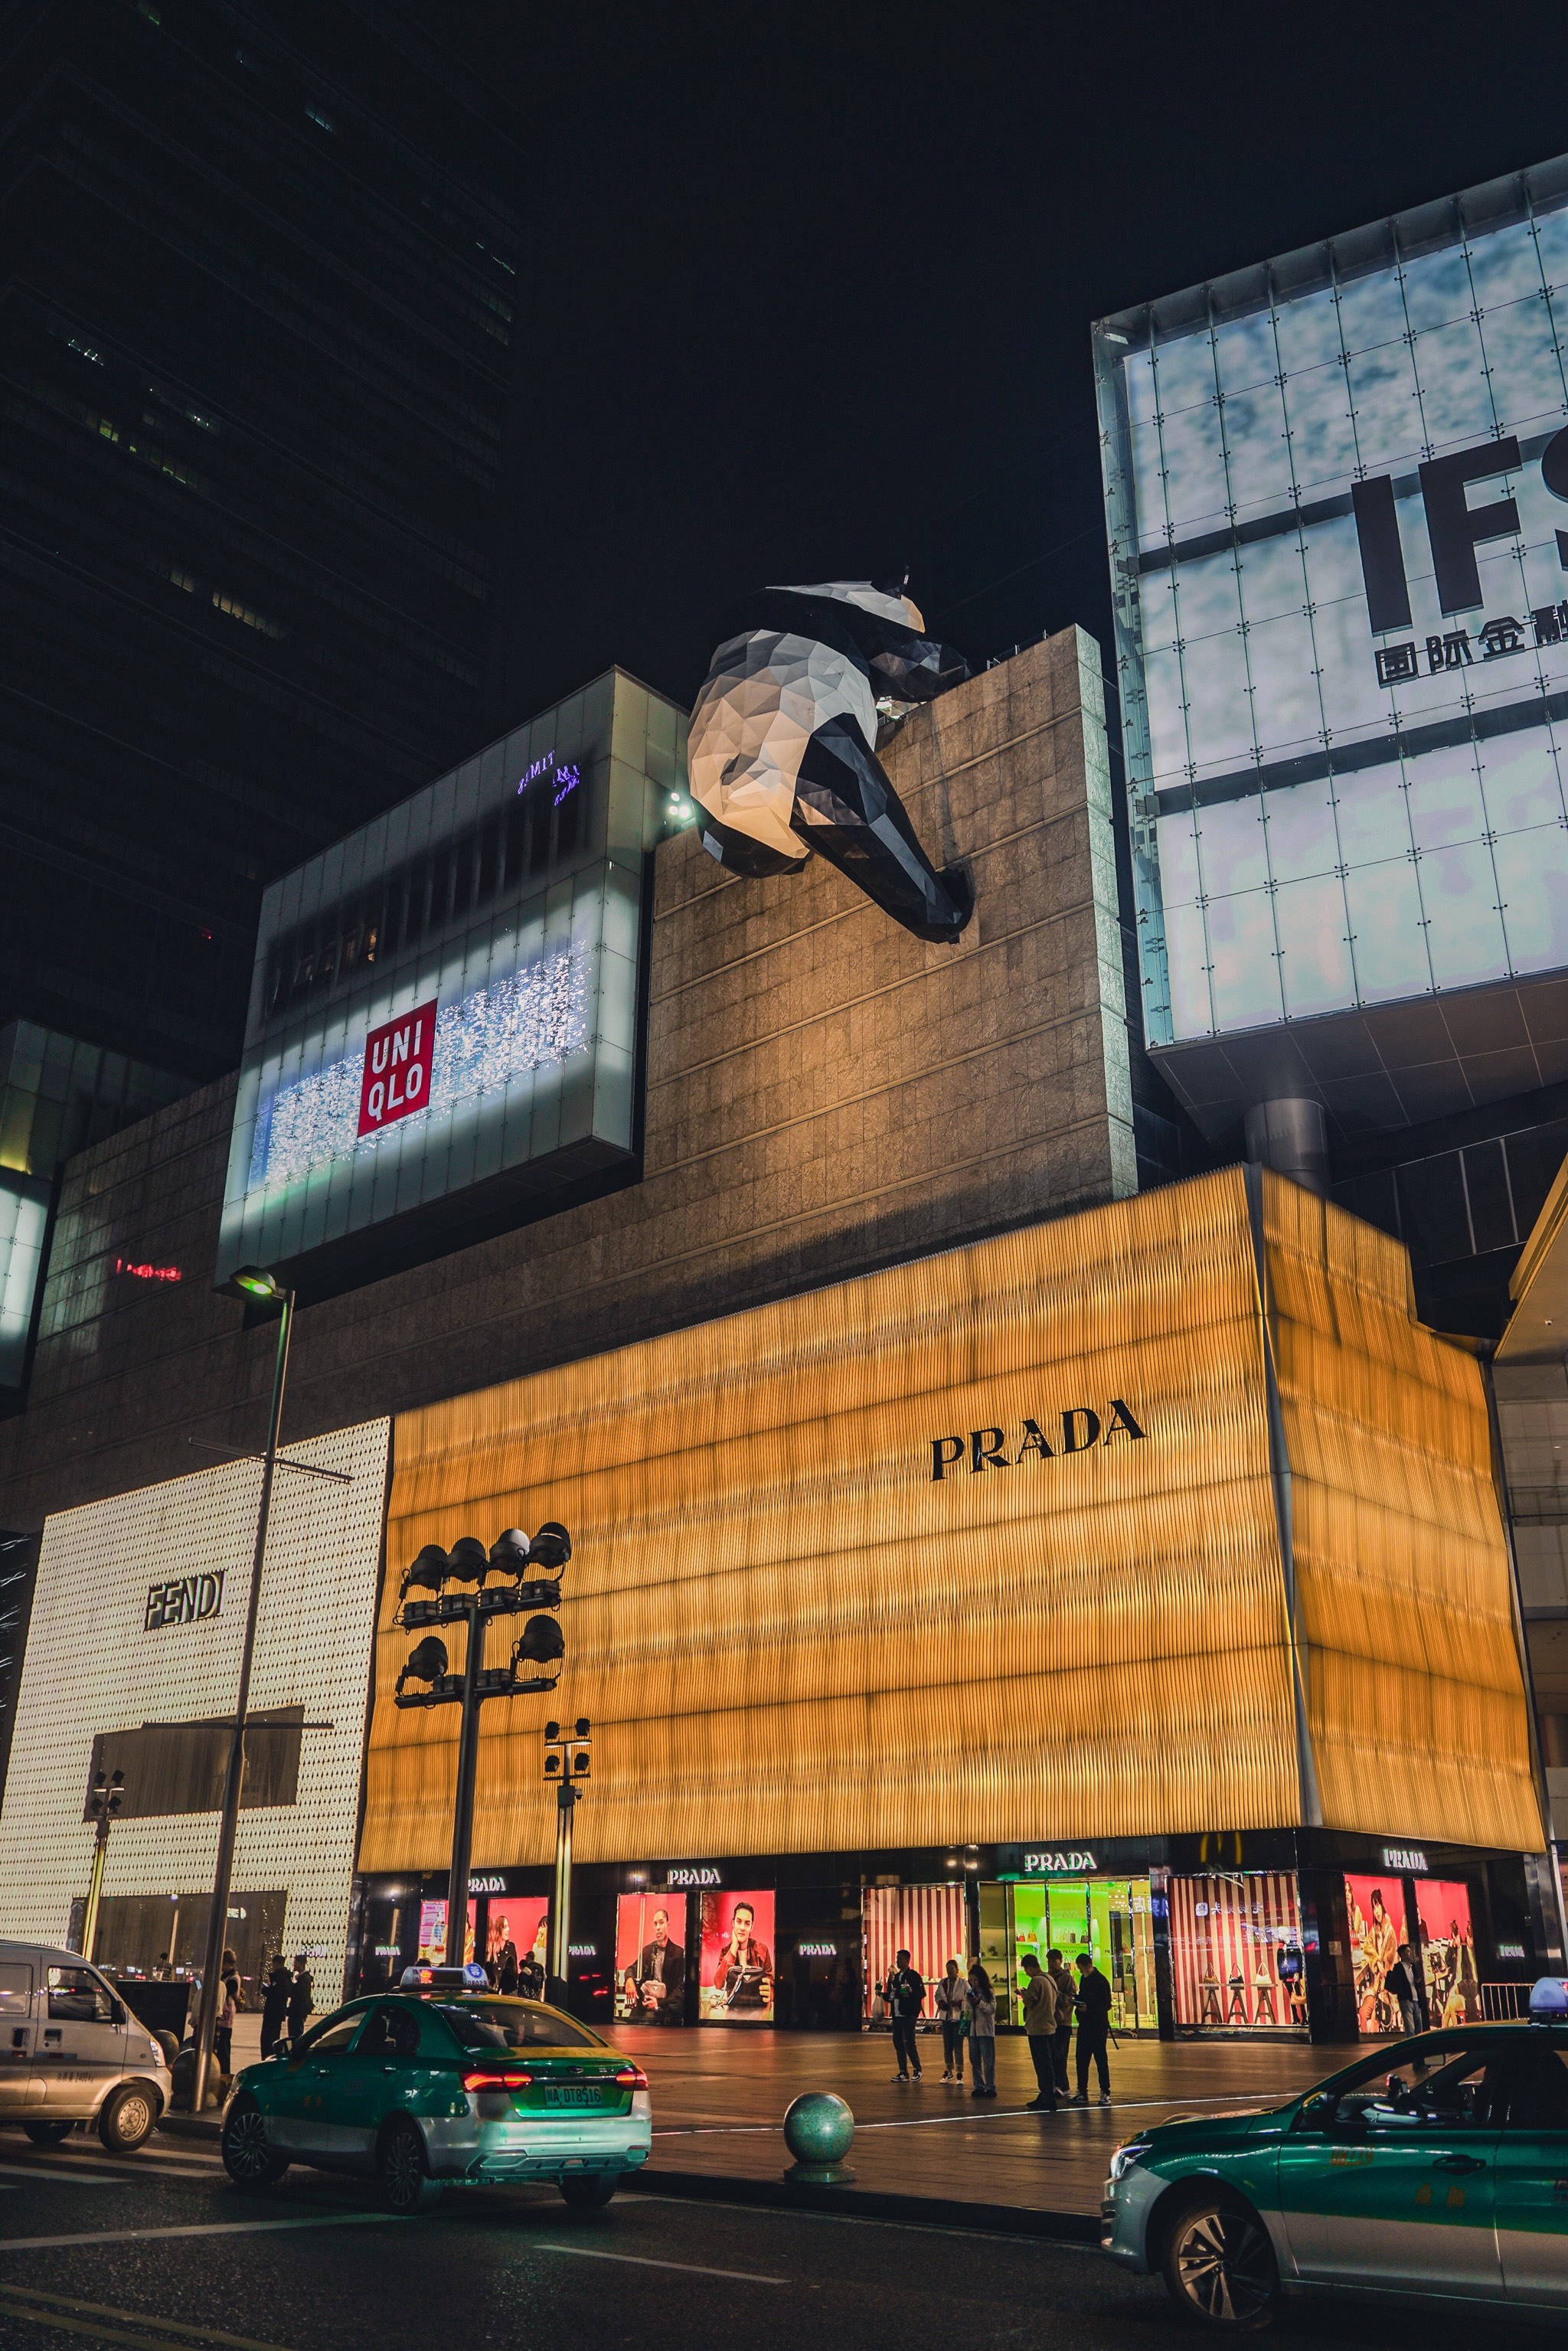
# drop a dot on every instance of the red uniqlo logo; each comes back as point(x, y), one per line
point(398, 1059)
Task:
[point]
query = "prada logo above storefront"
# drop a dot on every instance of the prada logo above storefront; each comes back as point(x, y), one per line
point(989, 1448)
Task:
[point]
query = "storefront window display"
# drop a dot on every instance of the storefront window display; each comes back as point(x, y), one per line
point(520, 1921)
point(1236, 1951)
point(1108, 1919)
point(1447, 1951)
point(929, 1922)
point(651, 1958)
point(736, 1970)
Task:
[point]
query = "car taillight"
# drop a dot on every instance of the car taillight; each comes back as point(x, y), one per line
point(496, 2081)
point(631, 2077)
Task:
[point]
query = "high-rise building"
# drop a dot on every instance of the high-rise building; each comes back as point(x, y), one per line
point(258, 352)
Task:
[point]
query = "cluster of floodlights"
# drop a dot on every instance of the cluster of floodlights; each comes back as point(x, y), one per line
point(518, 1571)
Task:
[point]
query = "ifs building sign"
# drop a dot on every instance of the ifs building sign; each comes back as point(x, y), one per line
point(1337, 497)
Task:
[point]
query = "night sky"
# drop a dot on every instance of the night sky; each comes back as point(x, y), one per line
point(812, 288)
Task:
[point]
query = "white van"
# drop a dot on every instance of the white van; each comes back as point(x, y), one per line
point(71, 2052)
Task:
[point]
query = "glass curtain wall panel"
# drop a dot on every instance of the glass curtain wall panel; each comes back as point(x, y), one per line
point(1337, 501)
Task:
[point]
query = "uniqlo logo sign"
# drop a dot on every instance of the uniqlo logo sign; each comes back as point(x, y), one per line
point(398, 1058)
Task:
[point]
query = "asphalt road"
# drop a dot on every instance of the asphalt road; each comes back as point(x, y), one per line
point(159, 2251)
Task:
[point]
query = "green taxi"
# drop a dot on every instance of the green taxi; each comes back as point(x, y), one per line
point(446, 2082)
point(1435, 2171)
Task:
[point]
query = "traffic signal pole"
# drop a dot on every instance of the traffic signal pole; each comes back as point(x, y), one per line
point(567, 1799)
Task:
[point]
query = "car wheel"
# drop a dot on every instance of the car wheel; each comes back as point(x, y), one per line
point(126, 2118)
point(1218, 2265)
point(48, 2134)
point(402, 2173)
point(249, 2159)
point(591, 2191)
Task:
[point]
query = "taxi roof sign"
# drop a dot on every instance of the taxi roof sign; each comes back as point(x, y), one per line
point(1549, 1998)
point(471, 1978)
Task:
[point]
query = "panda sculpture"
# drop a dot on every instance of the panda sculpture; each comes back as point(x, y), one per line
point(782, 746)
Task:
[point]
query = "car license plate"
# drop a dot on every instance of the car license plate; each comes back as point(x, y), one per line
point(573, 2094)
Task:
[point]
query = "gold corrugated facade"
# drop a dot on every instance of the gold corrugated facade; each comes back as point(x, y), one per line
point(790, 1637)
point(1414, 1697)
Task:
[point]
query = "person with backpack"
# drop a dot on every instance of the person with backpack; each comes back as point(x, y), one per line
point(904, 1992)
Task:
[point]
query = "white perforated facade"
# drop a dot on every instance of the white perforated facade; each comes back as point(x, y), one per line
point(92, 1665)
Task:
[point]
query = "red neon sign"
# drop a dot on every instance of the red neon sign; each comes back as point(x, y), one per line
point(398, 1059)
point(149, 1272)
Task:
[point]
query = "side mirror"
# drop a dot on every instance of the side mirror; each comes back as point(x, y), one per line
point(279, 2048)
point(117, 2013)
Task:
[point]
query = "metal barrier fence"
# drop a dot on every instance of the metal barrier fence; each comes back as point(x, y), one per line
point(1501, 2001)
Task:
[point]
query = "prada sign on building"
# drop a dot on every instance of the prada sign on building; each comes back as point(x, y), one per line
point(993, 1448)
point(1138, 1643)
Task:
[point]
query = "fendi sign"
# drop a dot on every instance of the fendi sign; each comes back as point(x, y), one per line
point(994, 1448)
point(185, 1600)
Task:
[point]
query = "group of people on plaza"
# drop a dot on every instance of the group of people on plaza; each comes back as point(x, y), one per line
point(1053, 2000)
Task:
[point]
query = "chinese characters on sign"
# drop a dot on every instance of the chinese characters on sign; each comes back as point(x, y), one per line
point(398, 1058)
point(1398, 664)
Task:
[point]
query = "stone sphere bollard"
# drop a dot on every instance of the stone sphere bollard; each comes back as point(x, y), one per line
point(818, 2131)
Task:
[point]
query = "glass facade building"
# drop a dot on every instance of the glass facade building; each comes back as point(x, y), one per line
point(57, 1096)
point(445, 1013)
point(1339, 545)
point(258, 358)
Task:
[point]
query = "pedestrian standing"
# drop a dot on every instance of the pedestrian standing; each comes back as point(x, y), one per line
point(982, 2007)
point(275, 2004)
point(228, 2008)
point(1093, 2006)
point(506, 1967)
point(952, 2009)
point(905, 1993)
point(1062, 2040)
point(1039, 2025)
point(1401, 1983)
point(301, 1998)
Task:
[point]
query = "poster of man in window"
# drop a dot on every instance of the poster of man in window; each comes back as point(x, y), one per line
point(736, 1964)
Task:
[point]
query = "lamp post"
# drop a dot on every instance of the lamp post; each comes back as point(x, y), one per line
point(568, 1762)
point(251, 1282)
point(540, 1643)
point(105, 1798)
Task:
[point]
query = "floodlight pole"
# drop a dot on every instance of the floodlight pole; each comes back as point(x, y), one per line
point(234, 1780)
point(467, 1778)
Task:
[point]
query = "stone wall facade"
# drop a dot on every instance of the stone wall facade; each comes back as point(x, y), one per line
point(824, 1094)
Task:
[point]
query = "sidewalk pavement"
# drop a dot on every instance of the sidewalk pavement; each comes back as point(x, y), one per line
point(719, 2093)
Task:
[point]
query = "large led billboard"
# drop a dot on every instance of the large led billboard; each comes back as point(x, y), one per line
point(445, 1013)
point(1337, 497)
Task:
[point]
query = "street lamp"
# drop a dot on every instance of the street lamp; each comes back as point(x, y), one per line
point(541, 1642)
point(104, 1801)
point(258, 1287)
